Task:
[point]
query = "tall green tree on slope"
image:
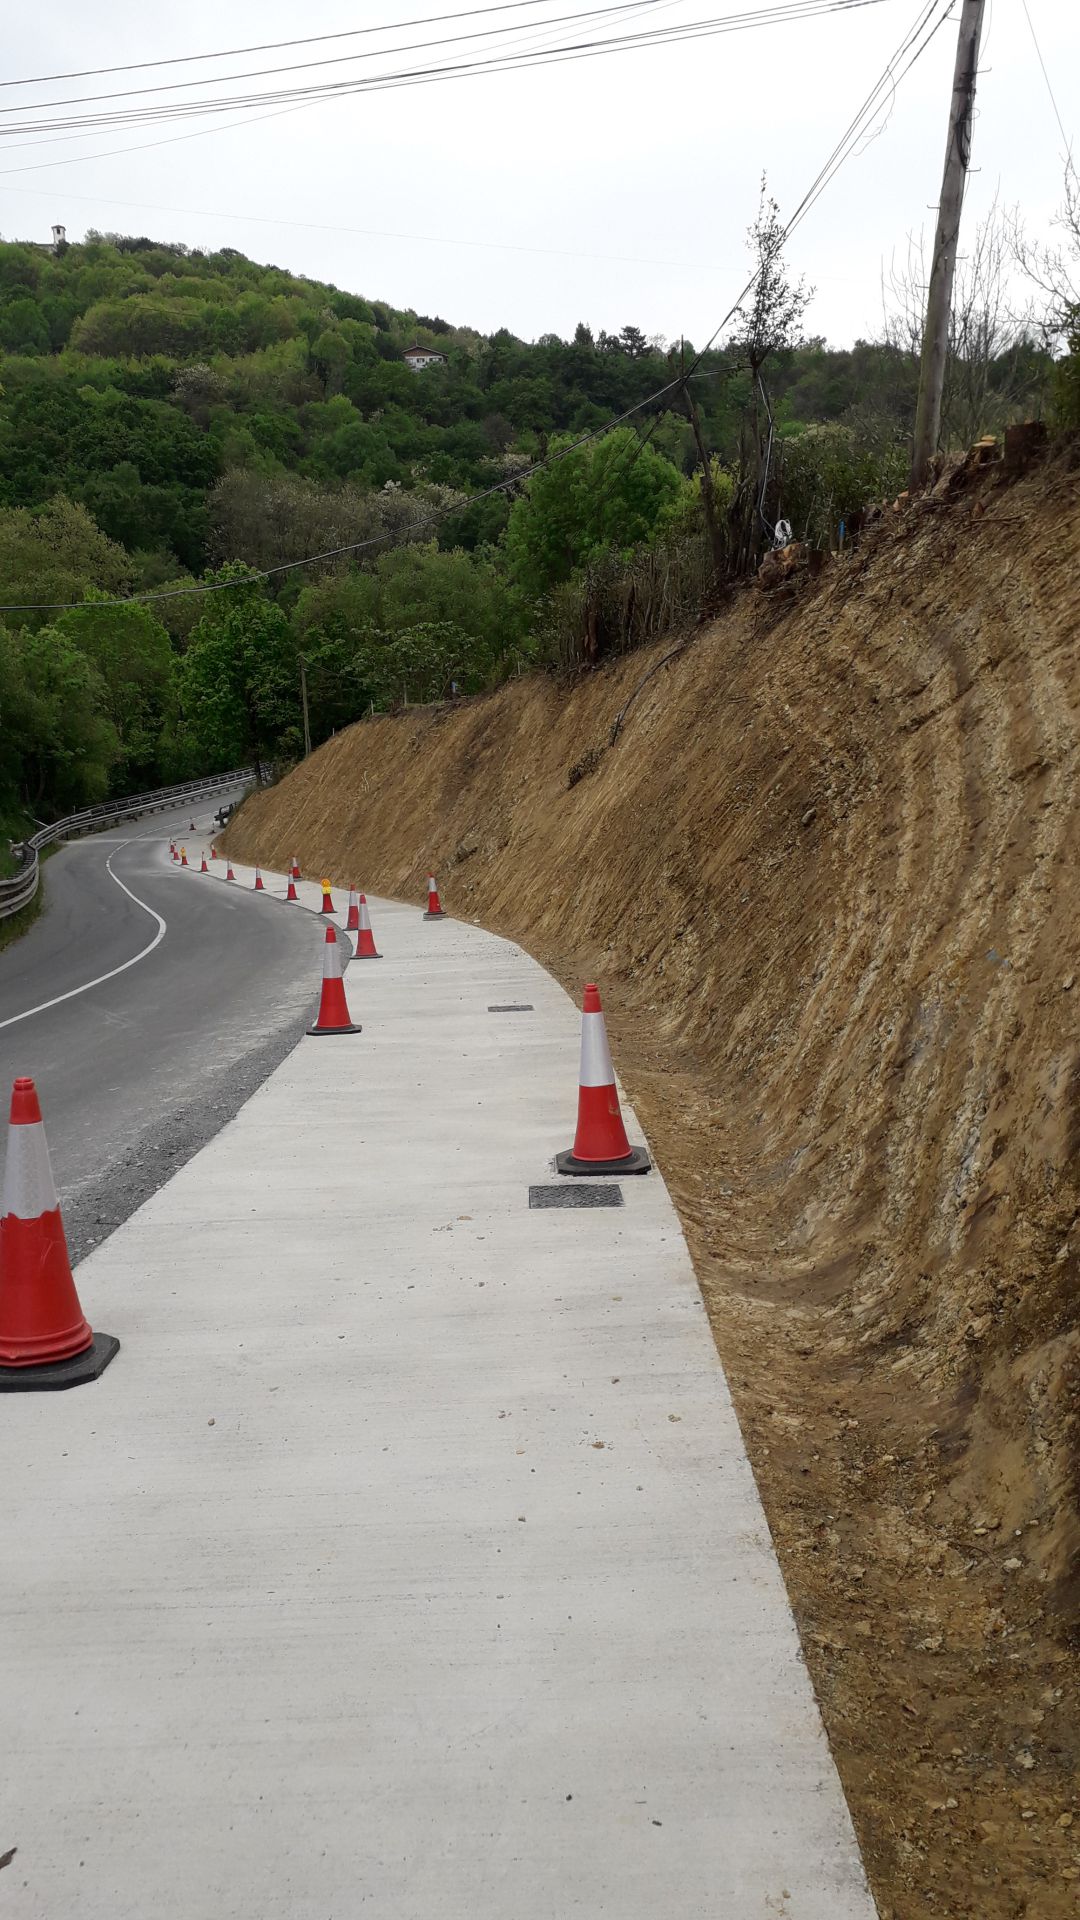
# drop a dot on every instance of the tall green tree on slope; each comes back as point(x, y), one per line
point(55, 555)
point(239, 686)
point(611, 493)
point(131, 651)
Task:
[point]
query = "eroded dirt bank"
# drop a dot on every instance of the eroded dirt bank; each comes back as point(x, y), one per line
point(828, 880)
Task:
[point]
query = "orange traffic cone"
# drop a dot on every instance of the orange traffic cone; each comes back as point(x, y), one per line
point(183, 856)
point(230, 875)
point(434, 910)
point(294, 870)
point(259, 888)
point(353, 921)
point(204, 868)
point(333, 1006)
point(45, 1342)
point(291, 893)
point(213, 853)
point(327, 901)
point(600, 1144)
point(365, 939)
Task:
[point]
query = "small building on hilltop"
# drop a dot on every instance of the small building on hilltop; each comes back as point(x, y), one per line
point(420, 357)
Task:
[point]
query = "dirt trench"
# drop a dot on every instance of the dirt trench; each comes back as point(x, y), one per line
point(828, 880)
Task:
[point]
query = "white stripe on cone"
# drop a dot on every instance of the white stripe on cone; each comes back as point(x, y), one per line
point(596, 1067)
point(29, 1188)
point(331, 966)
point(365, 917)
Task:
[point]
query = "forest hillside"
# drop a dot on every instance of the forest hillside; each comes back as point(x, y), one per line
point(171, 418)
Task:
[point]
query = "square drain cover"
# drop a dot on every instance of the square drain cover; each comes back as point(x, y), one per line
point(579, 1194)
point(524, 1007)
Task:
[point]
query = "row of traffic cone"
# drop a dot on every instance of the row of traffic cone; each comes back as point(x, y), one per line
point(600, 1142)
point(358, 920)
point(46, 1341)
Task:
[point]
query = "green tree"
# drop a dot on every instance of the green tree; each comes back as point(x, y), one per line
point(330, 356)
point(70, 745)
point(609, 493)
point(131, 651)
point(15, 720)
point(54, 555)
point(23, 326)
point(239, 679)
point(417, 621)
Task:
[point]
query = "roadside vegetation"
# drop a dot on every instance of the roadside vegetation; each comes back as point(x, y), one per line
point(173, 418)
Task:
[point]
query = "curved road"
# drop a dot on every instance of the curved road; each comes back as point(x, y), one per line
point(201, 989)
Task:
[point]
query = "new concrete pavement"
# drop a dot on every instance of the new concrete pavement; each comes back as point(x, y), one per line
point(407, 1560)
point(196, 999)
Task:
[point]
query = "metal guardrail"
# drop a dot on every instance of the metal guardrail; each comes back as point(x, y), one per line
point(21, 888)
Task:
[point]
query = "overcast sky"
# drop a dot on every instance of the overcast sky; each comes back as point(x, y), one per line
point(631, 178)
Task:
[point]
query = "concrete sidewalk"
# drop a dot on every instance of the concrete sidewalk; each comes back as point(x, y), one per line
point(407, 1560)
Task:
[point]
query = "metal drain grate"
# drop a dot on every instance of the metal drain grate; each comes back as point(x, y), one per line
point(524, 1007)
point(580, 1194)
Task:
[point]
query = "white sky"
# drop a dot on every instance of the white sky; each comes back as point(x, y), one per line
point(653, 155)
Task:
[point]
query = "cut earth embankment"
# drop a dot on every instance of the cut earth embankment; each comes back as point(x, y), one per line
point(827, 879)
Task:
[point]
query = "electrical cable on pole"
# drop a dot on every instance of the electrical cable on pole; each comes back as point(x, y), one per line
point(935, 347)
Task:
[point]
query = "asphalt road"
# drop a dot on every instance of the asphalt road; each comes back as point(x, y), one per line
point(201, 989)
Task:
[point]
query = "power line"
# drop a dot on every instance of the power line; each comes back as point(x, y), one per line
point(824, 177)
point(87, 124)
point(786, 12)
point(378, 53)
point(840, 153)
point(1046, 77)
point(270, 46)
point(886, 83)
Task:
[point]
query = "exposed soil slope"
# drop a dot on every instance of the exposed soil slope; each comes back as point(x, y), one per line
point(828, 880)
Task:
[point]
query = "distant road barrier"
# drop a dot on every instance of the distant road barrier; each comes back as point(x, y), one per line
point(20, 890)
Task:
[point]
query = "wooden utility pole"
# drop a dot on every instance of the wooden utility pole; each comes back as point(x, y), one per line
point(935, 345)
point(304, 698)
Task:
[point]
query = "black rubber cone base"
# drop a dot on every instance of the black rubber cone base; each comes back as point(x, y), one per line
point(316, 1033)
point(443, 915)
point(636, 1161)
point(55, 1374)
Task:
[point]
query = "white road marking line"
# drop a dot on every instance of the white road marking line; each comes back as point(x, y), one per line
point(113, 971)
